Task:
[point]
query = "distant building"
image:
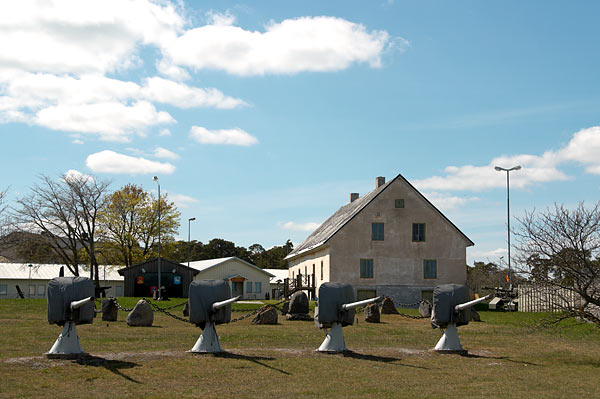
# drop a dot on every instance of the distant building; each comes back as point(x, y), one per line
point(141, 280)
point(246, 279)
point(392, 241)
point(34, 285)
point(276, 282)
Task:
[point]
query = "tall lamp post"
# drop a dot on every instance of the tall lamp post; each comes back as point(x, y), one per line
point(499, 169)
point(190, 220)
point(159, 282)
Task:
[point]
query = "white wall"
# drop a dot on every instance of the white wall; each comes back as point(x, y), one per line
point(39, 288)
point(236, 267)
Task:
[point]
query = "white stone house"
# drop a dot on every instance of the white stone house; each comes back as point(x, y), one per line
point(33, 281)
point(391, 241)
point(245, 279)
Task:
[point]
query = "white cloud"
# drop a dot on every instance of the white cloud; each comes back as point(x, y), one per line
point(111, 162)
point(182, 201)
point(160, 152)
point(234, 136)
point(289, 47)
point(164, 132)
point(308, 226)
point(112, 121)
point(183, 96)
point(583, 148)
point(446, 202)
point(75, 175)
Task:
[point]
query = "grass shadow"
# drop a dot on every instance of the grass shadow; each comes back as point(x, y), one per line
point(500, 358)
point(114, 366)
point(254, 359)
point(374, 358)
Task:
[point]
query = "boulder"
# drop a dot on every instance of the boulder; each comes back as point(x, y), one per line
point(267, 315)
point(372, 314)
point(141, 315)
point(425, 308)
point(285, 308)
point(110, 309)
point(298, 316)
point(299, 303)
point(186, 309)
point(388, 306)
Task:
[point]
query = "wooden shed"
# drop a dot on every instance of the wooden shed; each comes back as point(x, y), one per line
point(142, 279)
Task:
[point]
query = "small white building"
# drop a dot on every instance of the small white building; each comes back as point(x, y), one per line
point(279, 275)
point(34, 280)
point(245, 279)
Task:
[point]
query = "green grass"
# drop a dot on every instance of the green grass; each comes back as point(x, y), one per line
point(508, 358)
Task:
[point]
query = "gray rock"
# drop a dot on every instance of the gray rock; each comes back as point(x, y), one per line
point(298, 303)
point(186, 309)
point(141, 315)
point(285, 308)
point(475, 315)
point(110, 310)
point(298, 316)
point(425, 309)
point(267, 315)
point(372, 314)
point(388, 306)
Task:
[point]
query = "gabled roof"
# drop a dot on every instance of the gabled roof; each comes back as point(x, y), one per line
point(278, 274)
point(347, 212)
point(202, 265)
point(164, 262)
point(40, 271)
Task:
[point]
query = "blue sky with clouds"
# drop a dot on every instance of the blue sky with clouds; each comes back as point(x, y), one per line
point(261, 117)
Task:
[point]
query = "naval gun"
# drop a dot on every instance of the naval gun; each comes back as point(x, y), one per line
point(451, 308)
point(334, 310)
point(70, 302)
point(210, 304)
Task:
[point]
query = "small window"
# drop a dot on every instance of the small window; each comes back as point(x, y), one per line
point(31, 290)
point(258, 287)
point(119, 290)
point(400, 203)
point(418, 233)
point(377, 231)
point(321, 270)
point(430, 268)
point(248, 286)
point(366, 268)
point(41, 290)
point(3, 289)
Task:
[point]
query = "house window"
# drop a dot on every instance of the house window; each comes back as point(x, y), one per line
point(321, 270)
point(31, 291)
point(41, 290)
point(119, 290)
point(430, 268)
point(248, 286)
point(399, 203)
point(418, 233)
point(258, 287)
point(3, 289)
point(366, 268)
point(377, 231)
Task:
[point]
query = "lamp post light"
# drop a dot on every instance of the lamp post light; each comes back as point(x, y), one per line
point(29, 288)
point(499, 169)
point(190, 220)
point(159, 282)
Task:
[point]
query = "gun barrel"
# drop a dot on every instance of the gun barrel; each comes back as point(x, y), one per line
point(81, 302)
point(353, 305)
point(470, 303)
point(218, 305)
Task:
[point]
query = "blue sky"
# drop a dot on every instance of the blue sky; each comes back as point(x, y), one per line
point(261, 117)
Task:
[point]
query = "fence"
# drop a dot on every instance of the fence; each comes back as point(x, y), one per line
point(544, 298)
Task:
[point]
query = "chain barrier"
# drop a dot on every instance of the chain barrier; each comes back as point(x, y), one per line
point(257, 311)
point(165, 311)
point(409, 305)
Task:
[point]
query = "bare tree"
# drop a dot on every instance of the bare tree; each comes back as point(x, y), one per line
point(65, 211)
point(560, 248)
point(3, 207)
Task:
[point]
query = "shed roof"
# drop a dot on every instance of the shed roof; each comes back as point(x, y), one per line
point(343, 215)
point(40, 271)
point(202, 265)
point(164, 263)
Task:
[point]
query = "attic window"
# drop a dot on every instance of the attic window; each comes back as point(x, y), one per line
point(400, 203)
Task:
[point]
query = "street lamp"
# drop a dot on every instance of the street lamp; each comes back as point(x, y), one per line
point(159, 291)
point(190, 220)
point(499, 169)
point(29, 288)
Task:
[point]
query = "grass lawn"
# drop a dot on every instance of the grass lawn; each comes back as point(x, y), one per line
point(506, 359)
